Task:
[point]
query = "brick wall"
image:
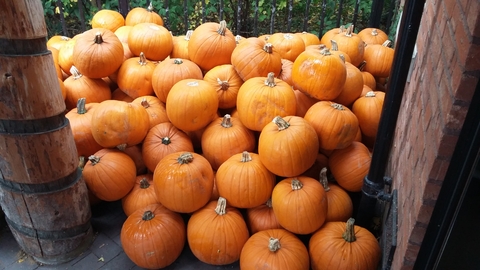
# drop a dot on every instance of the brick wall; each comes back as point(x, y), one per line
point(436, 100)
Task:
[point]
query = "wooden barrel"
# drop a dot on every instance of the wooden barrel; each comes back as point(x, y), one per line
point(42, 192)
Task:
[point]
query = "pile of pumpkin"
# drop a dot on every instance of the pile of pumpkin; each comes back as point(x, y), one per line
point(256, 140)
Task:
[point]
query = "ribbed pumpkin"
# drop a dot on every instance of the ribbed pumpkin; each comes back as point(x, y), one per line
point(141, 195)
point(308, 38)
point(180, 46)
point(140, 15)
point(350, 165)
point(304, 102)
point(98, 53)
point(154, 40)
point(161, 140)
point(287, 44)
point(339, 245)
point(57, 41)
point(261, 218)
point(379, 59)
point(108, 19)
point(79, 86)
point(191, 104)
point(134, 76)
point(320, 163)
point(334, 50)
point(329, 70)
point(227, 82)
point(65, 56)
point(260, 99)
point(80, 122)
point(373, 35)
point(122, 33)
point(288, 146)
point(352, 89)
point(368, 110)
point(110, 174)
point(167, 73)
point(135, 153)
point(255, 57)
point(118, 123)
point(368, 78)
point(340, 206)
point(300, 204)
point(274, 249)
point(118, 94)
point(327, 36)
point(244, 181)
point(351, 44)
point(286, 71)
point(183, 181)
point(216, 233)
point(153, 237)
point(156, 109)
point(225, 137)
point(335, 124)
point(211, 44)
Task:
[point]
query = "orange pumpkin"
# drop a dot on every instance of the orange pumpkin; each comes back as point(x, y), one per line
point(216, 233)
point(118, 94)
point(141, 195)
point(135, 153)
point(199, 104)
point(300, 204)
point(135, 76)
point(180, 46)
point(274, 249)
point(261, 218)
point(340, 245)
point(308, 38)
point(351, 44)
point(282, 151)
point(110, 174)
point(373, 35)
point(368, 78)
point(108, 19)
point(226, 82)
point(183, 181)
point(57, 41)
point(140, 15)
point(153, 237)
point(255, 57)
point(334, 50)
point(336, 126)
point(327, 36)
point(340, 206)
point(286, 71)
point(154, 40)
point(58, 69)
point(320, 162)
point(260, 99)
point(287, 44)
point(352, 89)
point(368, 110)
point(304, 102)
point(98, 53)
point(65, 56)
point(244, 181)
point(118, 123)
point(157, 111)
point(379, 59)
point(122, 33)
point(211, 44)
point(350, 165)
point(161, 140)
point(169, 72)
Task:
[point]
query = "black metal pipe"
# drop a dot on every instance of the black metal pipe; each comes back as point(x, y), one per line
point(376, 13)
point(373, 183)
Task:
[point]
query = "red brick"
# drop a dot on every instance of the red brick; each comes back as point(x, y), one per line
point(412, 252)
point(417, 235)
point(438, 171)
point(431, 192)
point(441, 20)
point(427, 112)
point(428, 16)
point(473, 18)
point(449, 7)
point(425, 214)
point(472, 60)
point(464, 87)
point(455, 120)
point(445, 101)
point(448, 46)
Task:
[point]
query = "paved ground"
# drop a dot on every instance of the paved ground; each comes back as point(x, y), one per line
point(104, 253)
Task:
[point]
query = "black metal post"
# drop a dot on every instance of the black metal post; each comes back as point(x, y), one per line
point(376, 13)
point(123, 7)
point(373, 183)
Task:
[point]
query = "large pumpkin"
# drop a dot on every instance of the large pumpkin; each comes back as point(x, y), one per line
point(140, 15)
point(98, 53)
point(274, 249)
point(183, 181)
point(226, 82)
point(300, 204)
point(153, 237)
point(339, 245)
point(211, 44)
point(260, 99)
point(154, 40)
point(141, 195)
point(216, 233)
point(134, 76)
point(244, 181)
point(288, 146)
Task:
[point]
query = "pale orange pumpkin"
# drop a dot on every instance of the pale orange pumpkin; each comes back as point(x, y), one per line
point(140, 15)
point(122, 33)
point(287, 44)
point(180, 46)
point(372, 35)
point(57, 41)
point(134, 76)
point(108, 19)
point(65, 56)
point(154, 40)
point(227, 82)
point(327, 36)
point(308, 38)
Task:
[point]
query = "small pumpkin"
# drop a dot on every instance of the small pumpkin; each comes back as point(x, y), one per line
point(141, 195)
point(287, 44)
point(372, 35)
point(140, 15)
point(286, 71)
point(216, 233)
point(156, 109)
point(351, 44)
point(340, 245)
point(308, 38)
point(154, 40)
point(261, 218)
point(65, 56)
point(340, 206)
point(153, 237)
point(180, 46)
point(57, 41)
point(304, 102)
point(274, 249)
point(134, 76)
point(352, 89)
point(368, 110)
point(327, 36)
point(368, 78)
point(379, 59)
point(58, 69)
point(118, 94)
point(108, 19)
point(227, 82)
point(122, 33)
point(135, 153)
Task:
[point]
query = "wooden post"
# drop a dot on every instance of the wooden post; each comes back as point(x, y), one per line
point(42, 191)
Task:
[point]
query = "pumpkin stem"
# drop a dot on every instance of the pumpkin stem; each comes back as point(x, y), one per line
point(227, 121)
point(334, 45)
point(270, 81)
point(148, 215)
point(145, 103)
point(166, 140)
point(362, 65)
point(269, 203)
point(374, 32)
point(188, 35)
point(185, 158)
point(142, 61)
point(177, 61)
point(98, 38)
point(281, 123)
point(122, 146)
point(274, 244)
point(268, 48)
point(81, 106)
point(94, 159)
point(223, 28)
point(150, 7)
point(224, 85)
point(349, 31)
point(296, 184)
point(76, 74)
point(325, 51)
point(324, 179)
point(144, 183)
point(337, 106)
point(81, 162)
point(387, 43)
point(221, 208)
point(237, 39)
point(246, 157)
point(349, 234)
point(370, 94)
point(64, 38)
point(342, 57)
